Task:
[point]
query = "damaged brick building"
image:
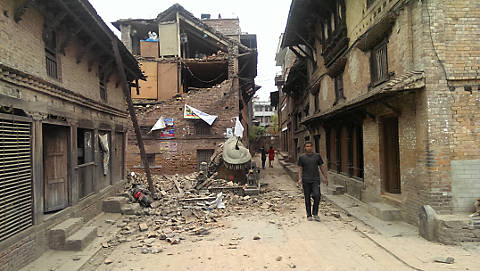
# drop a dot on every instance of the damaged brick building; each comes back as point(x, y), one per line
point(207, 64)
point(388, 91)
point(63, 121)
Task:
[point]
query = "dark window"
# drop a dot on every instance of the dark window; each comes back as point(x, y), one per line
point(345, 150)
point(150, 160)
point(379, 64)
point(202, 128)
point(84, 146)
point(338, 87)
point(50, 39)
point(315, 101)
point(102, 83)
point(317, 143)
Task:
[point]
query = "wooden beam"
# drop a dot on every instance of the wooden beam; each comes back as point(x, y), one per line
point(109, 70)
point(68, 38)
point(131, 110)
point(84, 49)
point(394, 109)
point(20, 8)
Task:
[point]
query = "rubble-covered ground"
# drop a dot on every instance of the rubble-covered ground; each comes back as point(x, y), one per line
point(184, 230)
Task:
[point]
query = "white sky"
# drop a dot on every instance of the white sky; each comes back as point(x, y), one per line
point(265, 18)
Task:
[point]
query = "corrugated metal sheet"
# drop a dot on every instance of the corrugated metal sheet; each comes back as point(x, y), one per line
point(16, 208)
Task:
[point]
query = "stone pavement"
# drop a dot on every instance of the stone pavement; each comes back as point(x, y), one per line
point(398, 238)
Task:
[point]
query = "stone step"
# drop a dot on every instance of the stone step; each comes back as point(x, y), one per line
point(58, 234)
point(336, 190)
point(384, 211)
point(130, 209)
point(81, 239)
point(114, 204)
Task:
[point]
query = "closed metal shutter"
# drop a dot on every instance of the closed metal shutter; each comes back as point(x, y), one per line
point(16, 213)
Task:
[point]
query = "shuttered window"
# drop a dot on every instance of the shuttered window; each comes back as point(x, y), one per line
point(16, 208)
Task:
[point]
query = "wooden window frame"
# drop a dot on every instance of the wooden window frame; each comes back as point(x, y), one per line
point(379, 64)
point(51, 58)
point(339, 94)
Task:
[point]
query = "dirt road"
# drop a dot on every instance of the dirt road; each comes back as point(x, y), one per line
point(272, 237)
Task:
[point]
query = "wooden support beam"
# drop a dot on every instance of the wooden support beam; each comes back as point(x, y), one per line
point(109, 70)
point(84, 49)
point(20, 8)
point(131, 110)
point(90, 62)
point(68, 38)
point(394, 109)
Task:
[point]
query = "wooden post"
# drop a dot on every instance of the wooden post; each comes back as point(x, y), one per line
point(131, 110)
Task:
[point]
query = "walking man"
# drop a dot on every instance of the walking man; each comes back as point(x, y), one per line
point(264, 156)
point(309, 178)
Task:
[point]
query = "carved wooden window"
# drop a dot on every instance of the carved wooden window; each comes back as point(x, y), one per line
point(50, 39)
point(379, 64)
point(102, 83)
point(338, 87)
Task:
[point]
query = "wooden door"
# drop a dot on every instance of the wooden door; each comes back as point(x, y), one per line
point(55, 153)
point(391, 158)
point(118, 158)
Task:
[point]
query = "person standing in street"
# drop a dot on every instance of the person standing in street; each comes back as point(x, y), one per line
point(271, 156)
point(264, 156)
point(309, 179)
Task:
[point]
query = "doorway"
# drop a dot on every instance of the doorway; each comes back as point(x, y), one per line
point(391, 157)
point(55, 167)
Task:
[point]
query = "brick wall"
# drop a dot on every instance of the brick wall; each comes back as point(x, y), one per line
point(228, 27)
point(179, 155)
point(22, 48)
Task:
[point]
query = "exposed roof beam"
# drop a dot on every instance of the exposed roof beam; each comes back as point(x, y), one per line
point(210, 34)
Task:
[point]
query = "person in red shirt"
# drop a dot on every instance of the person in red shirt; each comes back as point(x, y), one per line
point(271, 156)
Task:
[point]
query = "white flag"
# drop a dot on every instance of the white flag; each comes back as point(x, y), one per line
point(204, 116)
point(160, 124)
point(238, 128)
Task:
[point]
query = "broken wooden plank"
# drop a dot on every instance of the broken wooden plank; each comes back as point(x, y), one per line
point(198, 199)
point(177, 185)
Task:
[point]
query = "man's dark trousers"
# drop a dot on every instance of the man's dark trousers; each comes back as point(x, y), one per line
point(311, 189)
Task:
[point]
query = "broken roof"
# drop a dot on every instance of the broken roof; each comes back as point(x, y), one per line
point(186, 16)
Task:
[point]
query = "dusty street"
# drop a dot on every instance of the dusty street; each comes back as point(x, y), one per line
point(275, 236)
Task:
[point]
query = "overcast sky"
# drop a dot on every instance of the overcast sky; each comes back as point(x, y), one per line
point(265, 18)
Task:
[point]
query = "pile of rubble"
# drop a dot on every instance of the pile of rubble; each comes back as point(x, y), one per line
point(177, 210)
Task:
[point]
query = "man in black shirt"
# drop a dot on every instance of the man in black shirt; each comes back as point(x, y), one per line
point(309, 178)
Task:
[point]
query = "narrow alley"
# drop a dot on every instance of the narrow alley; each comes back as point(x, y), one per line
point(140, 135)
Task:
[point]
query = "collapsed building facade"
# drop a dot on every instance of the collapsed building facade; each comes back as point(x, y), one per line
point(388, 92)
point(63, 120)
point(204, 64)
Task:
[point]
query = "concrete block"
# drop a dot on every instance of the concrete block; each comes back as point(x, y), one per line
point(114, 204)
point(336, 190)
point(384, 211)
point(81, 239)
point(130, 209)
point(58, 234)
point(426, 225)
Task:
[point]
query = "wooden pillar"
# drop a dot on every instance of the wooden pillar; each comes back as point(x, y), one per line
point(131, 110)
point(37, 176)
